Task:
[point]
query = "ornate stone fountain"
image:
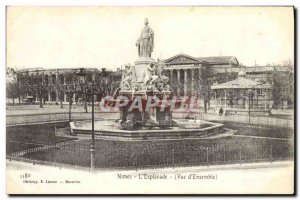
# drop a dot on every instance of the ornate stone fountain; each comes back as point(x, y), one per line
point(145, 108)
point(144, 81)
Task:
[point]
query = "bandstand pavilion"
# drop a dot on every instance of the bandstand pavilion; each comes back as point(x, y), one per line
point(241, 94)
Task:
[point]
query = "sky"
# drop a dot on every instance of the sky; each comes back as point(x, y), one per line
point(64, 37)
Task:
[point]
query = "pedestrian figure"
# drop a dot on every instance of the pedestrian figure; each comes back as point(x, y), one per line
point(221, 111)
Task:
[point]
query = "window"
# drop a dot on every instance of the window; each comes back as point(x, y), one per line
point(46, 79)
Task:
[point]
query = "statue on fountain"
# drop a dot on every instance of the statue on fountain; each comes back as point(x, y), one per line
point(145, 42)
point(147, 104)
point(128, 77)
point(153, 78)
point(149, 76)
point(145, 76)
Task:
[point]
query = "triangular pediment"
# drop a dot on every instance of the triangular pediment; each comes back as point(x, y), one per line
point(181, 59)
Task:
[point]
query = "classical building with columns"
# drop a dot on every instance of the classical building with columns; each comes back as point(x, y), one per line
point(183, 70)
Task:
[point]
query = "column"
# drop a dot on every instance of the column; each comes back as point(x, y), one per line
point(192, 83)
point(171, 75)
point(185, 84)
point(178, 80)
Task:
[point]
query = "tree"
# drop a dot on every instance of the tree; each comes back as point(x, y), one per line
point(203, 84)
point(59, 88)
point(60, 92)
point(283, 88)
point(206, 78)
point(21, 89)
point(70, 90)
point(70, 78)
point(224, 77)
point(37, 85)
point(12, 86)
point(106, 83)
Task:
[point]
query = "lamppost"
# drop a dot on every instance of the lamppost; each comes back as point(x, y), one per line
point(92, 146)
point(85, 104)
point(92, 150)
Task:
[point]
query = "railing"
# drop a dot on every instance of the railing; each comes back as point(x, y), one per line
point(74, 154)
point(25, 119)
point(244, 119)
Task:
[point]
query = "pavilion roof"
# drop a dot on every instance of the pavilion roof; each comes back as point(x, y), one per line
point(241, 83)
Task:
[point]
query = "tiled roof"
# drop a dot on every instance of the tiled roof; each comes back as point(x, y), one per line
point(241, 83)
point(217, 59)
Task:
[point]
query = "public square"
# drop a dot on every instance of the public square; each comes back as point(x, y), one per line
point(151, 94)
point(265, 138)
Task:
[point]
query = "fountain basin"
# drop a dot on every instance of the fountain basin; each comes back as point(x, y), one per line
point(184, 128)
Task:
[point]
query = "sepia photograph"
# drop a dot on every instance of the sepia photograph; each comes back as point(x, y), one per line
point(150, 100)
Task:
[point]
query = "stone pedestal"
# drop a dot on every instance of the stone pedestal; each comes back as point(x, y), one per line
point(131, 120)
point(140, 66)
point(164, 118)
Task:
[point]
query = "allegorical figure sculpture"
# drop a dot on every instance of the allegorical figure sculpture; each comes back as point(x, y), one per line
point(149, 75)
point(145, 43)
point(127, 77)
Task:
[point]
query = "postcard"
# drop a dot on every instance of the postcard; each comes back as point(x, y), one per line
point(150, 100)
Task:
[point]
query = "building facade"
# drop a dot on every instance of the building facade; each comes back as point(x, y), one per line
point(184, 71)
point(54, 85)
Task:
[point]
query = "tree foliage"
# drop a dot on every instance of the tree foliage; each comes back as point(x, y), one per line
point(283, 88)
point(203, 84)
point(12, 86)
point(206, 78)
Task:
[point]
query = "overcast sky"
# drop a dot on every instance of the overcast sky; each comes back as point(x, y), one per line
point(54, 37)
